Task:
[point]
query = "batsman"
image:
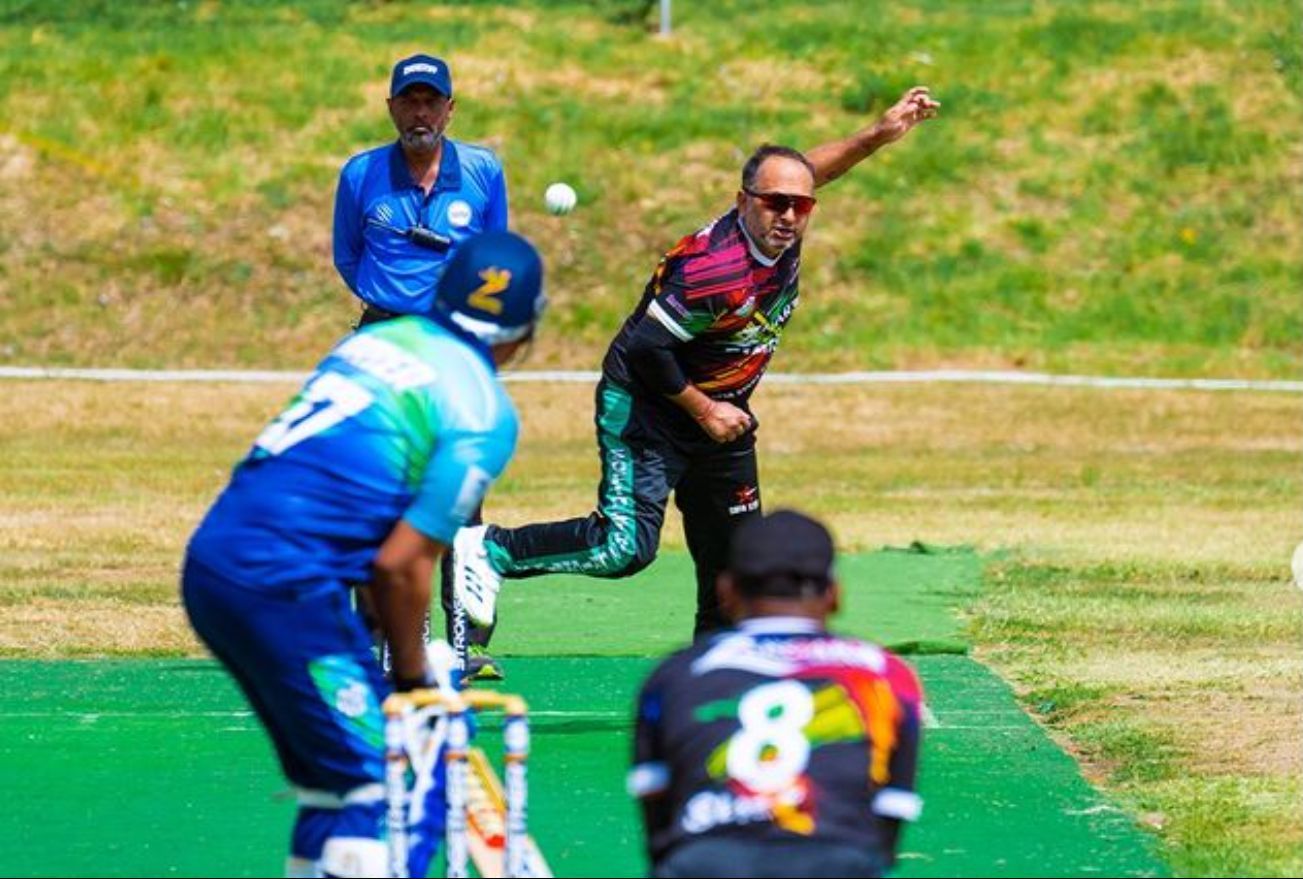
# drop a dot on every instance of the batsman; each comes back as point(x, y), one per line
point(365, 477)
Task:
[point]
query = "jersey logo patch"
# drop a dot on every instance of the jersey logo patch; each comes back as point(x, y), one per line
point(459, 213)
point(745, 500)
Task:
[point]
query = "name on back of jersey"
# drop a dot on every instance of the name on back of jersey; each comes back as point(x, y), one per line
point(386, 361)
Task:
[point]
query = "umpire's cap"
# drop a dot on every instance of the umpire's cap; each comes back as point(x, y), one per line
point(785, 554)
point(493, 288)
point(423, 69)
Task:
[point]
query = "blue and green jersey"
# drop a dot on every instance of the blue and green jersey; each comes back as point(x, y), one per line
point(402, 420)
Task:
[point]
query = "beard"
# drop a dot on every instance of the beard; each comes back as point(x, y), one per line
point(422, 140)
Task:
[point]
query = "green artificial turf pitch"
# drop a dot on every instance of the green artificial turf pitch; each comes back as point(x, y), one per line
point(157, 768)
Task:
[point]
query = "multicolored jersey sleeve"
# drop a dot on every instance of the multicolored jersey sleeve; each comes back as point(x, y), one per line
point(649, 778)
point(477, 435)
point(650, 774)
point(724, 305)
point(897, 798)
point(690, 291)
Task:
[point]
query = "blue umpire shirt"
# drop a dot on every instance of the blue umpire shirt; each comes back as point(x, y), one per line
point(378, 201)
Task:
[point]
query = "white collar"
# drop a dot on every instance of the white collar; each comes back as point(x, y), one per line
point(779, 626)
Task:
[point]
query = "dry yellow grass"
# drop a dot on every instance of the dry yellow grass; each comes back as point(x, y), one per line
point(112, 477)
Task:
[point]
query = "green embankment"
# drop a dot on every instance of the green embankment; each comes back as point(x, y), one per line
point(1111, 187)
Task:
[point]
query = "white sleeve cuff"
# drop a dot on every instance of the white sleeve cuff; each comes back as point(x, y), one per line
point(647, 779)
point(663, 318)
point(892, 802)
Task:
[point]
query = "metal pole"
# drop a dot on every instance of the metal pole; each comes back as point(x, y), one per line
point(665, 18)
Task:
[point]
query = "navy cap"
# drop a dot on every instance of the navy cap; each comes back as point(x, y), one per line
point(423, 69)
point(493, 288)
point(784, 553)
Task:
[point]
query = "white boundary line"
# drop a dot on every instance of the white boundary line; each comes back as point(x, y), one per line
point(936, 376)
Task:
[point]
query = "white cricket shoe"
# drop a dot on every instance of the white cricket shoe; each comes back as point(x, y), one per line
point(475, 583)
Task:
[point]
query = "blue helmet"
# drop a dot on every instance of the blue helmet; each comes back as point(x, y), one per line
point(493, 288)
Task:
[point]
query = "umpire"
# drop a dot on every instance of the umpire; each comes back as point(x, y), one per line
point(401, 210)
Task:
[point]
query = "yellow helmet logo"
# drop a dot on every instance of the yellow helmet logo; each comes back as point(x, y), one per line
point(485, 297)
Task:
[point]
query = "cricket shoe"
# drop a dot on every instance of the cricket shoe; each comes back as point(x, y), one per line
point(481, 666)
point(475, 583)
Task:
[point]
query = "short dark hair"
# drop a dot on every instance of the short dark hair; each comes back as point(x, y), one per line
point(782, 586)
point(766, 151)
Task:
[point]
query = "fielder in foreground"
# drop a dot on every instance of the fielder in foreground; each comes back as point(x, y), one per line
point(365, 477)
point(776, 748)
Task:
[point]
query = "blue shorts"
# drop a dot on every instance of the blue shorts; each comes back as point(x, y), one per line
point(304, 660)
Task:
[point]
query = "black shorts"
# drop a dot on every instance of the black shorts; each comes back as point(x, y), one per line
point(733, 856)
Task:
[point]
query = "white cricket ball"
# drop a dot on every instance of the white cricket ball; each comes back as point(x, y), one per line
point(560, 198)
point(1297, 565)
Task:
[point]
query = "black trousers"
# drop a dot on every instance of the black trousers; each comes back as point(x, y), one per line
point(706, 858)
point(649, 449)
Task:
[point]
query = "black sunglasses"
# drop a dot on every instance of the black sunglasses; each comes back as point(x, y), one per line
point(779, 202)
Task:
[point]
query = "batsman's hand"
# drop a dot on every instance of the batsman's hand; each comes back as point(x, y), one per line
point(914, 106)
point(423, 681)
point(440, 663)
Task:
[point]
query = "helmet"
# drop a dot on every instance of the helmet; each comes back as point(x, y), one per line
point(493, 288)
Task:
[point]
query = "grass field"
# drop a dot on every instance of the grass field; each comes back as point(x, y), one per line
point(1136, 593)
